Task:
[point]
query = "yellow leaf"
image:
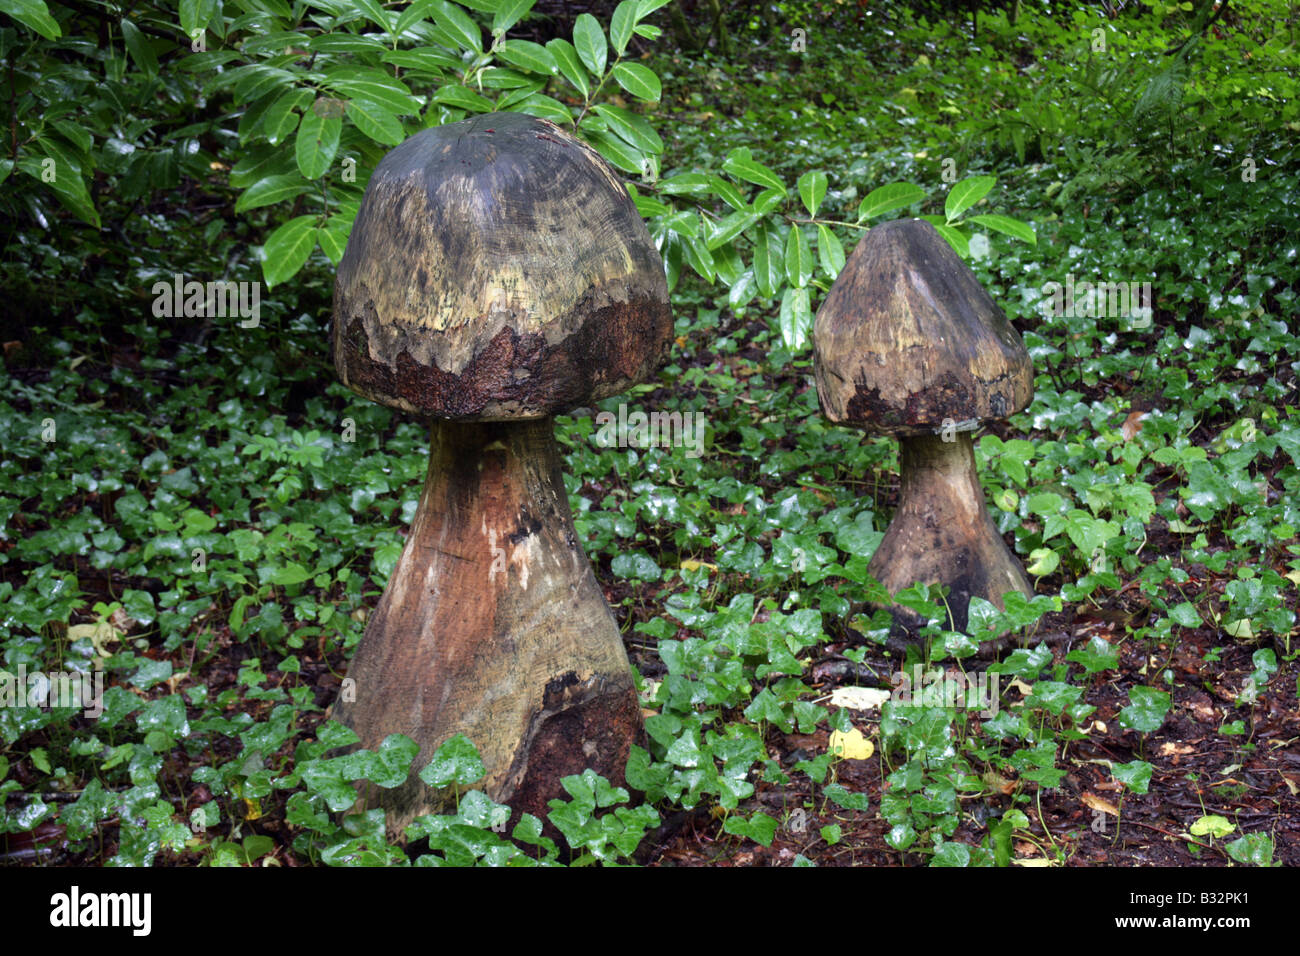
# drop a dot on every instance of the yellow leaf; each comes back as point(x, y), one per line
point(1034, 861)
point(692, 565)
point(851, 745)
point(101, 634)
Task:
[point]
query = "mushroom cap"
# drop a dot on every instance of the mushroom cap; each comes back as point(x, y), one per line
point(497, 269)
point(907, 338)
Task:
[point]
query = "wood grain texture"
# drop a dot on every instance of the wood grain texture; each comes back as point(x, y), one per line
point(907, 337)
point(942, 532)
point(497, 269)
point(493, 625)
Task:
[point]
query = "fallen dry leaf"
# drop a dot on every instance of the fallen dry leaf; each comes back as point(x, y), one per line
point(1170, 749)
point(1132, 425)
point(859, 698)
point(1094, 802)
point(998, 782)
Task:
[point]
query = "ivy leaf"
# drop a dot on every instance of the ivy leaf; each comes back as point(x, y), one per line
point(1212, 825)
point(1147, 711)
point(392, 762)
point(456, 761)
point(1136, 775)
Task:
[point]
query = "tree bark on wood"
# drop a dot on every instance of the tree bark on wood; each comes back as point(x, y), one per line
point(493, 625)
point(942, 532)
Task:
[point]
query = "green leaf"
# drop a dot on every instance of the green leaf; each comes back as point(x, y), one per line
point(552, 109)
point(195, 15)
point(527, 55)
point(812, 190)
point(333, 238)
point(455, 762)
point(457, 24)
point(829, 251)
point(566, 58)
point(272, 189)
point(768, 267)
point(959, 243)
point(280, 119)
point(760, 827)
point(1147, 711)
point(965, 194)
point(67, 185)
point(888, 198)
point(376, 14)
point(392, 761)
point(462, 98)
point(375, 122)
point(638, 80)
point(1007, 226)
point(740, 163)
point(798, 257)
point(286, 250)
point(1212, 825)
point(795, 318)
point(621, 24)
point(620, 154)
point(589, 41)
point(631, 127)
point(139, 48)
point(1136, 775)
point(1256, 848)
point(374, 86)
point(846, 798)
point(508, 13)
point(34, 14)
point(318, 141)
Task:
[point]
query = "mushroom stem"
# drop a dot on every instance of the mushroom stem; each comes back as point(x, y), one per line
point(942, 532)
point(493, 625)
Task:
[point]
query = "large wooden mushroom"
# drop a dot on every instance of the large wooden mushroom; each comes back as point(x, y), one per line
point(909, 344)
point(497, 274)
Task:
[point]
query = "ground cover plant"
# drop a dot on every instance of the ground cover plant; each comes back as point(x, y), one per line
point(198, 517)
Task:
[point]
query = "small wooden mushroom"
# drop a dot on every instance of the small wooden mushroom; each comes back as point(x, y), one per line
point(497, 274)
point(909, 344)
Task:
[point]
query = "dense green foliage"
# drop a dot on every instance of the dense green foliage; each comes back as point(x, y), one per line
point(197, 507)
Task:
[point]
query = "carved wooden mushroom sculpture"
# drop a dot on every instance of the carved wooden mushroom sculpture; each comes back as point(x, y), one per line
point(909, 344)
point(497, 274)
